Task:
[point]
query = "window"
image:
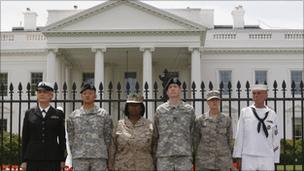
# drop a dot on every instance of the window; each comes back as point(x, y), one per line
point(260, 77)
point(3, 125)
point(225, 77)
point(130, 77)
point(88, 77)
point(4, 81)
point(298, 127)
point(36, 77)
point(296, 76)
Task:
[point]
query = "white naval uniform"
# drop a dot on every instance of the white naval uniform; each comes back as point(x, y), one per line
point(257, 151)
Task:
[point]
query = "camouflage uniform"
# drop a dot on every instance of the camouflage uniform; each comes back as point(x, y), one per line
point(131, 147)
point(89, 133)
point(173, 133)
point(213, 142)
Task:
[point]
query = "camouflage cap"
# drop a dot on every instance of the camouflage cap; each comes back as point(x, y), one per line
point(173, 80)
point(45, 86)
point(135, 98)
point(213, 94)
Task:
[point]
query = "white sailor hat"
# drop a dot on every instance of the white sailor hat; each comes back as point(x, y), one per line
point(259, 87)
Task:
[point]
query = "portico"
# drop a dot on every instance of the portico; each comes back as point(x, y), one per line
point(105, 41)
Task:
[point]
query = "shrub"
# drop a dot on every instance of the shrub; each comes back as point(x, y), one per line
point(293, 154)
point(10, 156)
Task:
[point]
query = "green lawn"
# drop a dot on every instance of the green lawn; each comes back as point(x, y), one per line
point(289, 167)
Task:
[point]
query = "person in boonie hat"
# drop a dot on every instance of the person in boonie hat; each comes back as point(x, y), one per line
point(136, 131)
point(213, 136)
point(134, 100)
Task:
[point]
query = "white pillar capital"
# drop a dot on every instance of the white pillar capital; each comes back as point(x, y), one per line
point(142, 49)
point(102, 49)
point(194, 48)
point(55, 50)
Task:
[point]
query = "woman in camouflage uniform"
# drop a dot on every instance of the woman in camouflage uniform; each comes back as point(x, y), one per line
point(213, 138)
point(131, 147)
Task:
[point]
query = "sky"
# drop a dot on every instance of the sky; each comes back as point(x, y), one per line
point(268, 14)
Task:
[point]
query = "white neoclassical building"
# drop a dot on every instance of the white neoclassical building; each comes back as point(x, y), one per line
point(127, 40)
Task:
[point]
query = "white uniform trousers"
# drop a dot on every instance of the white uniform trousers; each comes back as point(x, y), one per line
point(254, 163)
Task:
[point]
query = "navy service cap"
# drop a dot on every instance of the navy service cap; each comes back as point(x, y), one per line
point(87, 86)
point(45, 86)
point(173, 80)
point(213, 94)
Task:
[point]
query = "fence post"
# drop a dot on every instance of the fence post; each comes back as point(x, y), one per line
point(203, 95)
point(2, 123)
point(11, 91)
point(284, 122)
point(155, 91)
point(19, 122)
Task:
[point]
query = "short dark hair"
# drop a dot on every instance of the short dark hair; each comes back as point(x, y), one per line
point(143, 109)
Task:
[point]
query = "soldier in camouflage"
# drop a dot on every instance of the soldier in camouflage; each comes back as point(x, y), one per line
point(173, 131)
point(131, 146)
point(213, 138)
point(89, 132)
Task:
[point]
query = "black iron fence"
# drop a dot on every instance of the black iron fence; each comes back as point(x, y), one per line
point(286, 100)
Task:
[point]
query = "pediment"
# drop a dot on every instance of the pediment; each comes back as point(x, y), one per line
point(123, 15)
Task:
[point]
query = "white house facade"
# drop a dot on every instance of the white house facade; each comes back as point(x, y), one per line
point(126, 40)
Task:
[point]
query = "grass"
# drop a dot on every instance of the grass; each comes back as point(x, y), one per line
point(290, 167)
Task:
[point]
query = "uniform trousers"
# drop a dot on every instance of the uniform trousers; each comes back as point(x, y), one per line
point(89, 164)
point(43, 166)
point(174, 163)
point(257, 163)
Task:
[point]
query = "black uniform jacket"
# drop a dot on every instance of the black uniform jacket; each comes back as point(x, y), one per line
point(43, 138)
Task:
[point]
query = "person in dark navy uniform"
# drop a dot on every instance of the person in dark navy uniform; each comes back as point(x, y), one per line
point(43, 134)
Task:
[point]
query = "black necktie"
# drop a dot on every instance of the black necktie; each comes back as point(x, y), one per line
point(261, 121)
point(43, 112)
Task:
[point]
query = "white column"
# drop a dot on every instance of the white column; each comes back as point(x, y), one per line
point(60, 72)
point(108, 77)
point(67, 73)
point(99, 66)
point(147, 75)
point(68, 76)
point(51, 65)
point(196, 74)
